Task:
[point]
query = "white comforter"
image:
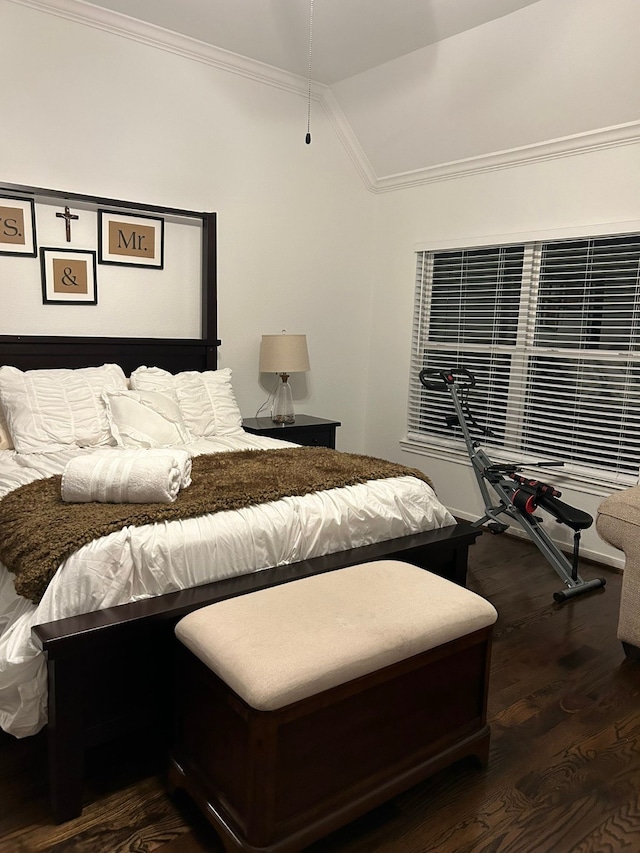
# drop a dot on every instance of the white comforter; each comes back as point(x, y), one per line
point(138, 562)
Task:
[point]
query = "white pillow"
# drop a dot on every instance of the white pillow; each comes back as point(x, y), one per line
point(6, 442)
point(145, 418)
point(49, 410)
point(206, 399)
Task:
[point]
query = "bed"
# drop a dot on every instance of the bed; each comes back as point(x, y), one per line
point(95, 668)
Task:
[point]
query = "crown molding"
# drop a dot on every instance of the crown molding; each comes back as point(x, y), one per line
point(116, 23)
point(82, 12)
point(567, 146)
point(348, 138)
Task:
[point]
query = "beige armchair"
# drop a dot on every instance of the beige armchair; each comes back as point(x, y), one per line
point(618, 523)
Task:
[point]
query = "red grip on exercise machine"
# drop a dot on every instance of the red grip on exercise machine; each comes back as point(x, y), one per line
point(524, 500)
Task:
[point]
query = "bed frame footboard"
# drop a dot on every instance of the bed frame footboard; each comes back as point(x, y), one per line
point(109, 671)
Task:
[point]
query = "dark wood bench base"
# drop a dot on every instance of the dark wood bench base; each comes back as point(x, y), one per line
point(277, 781)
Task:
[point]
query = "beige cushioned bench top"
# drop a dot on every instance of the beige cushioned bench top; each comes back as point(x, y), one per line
point(276, 646)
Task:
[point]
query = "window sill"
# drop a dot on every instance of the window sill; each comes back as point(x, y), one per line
point(586, 481)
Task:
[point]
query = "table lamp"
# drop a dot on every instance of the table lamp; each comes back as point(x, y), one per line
point(283, 354)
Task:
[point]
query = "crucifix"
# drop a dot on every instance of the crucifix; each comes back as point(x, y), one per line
point(67, 216)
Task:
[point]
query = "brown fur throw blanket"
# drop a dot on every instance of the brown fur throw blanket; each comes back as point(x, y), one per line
point(38, 530)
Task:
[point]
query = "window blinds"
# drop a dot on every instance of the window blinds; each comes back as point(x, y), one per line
point(550, 330)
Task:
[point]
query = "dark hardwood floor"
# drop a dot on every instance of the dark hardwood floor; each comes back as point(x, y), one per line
point(563, 777)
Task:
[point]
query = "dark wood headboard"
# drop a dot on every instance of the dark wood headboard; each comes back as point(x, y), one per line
point(28, 352)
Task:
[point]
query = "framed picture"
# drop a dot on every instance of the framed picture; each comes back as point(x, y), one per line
point(17, 226)
point(130, 240)
point(69, 277)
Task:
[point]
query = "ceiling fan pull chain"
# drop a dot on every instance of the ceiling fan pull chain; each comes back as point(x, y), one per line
point(308, 136)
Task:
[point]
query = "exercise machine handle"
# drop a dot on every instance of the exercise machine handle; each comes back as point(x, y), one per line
point(440, 380)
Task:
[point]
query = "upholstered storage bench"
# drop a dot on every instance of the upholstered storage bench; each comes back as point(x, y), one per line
point(301, 706)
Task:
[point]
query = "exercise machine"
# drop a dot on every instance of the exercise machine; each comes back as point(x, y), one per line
point(519, 496)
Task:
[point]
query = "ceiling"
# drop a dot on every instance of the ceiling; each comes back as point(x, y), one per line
point(349, 36)
point(422, 89)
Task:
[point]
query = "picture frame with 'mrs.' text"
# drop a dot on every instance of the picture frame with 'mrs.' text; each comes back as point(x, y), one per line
point(17, 226)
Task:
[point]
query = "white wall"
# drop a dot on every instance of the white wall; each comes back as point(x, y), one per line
point(95, 113)
point(571, 192)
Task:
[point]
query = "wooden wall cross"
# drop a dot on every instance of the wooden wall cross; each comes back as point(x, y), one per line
point(67, 216)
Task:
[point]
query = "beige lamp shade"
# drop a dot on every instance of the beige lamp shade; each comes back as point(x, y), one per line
point(284, 354)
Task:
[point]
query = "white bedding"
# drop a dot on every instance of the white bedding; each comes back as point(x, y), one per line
point(138, 562)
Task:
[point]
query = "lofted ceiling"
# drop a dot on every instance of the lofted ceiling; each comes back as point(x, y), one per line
point(421, 89)
point(349, 36)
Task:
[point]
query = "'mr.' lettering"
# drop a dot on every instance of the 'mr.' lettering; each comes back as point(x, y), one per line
point(135, 241)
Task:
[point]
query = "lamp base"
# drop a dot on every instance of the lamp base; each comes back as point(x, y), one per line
point(282, 412)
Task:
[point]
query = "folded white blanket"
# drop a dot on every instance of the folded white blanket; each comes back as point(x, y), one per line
point(121, 478)
point(181, 458)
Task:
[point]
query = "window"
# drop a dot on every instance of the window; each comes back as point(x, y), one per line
point(551, 331)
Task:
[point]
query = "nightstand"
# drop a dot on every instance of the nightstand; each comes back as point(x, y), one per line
point(306, 430)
